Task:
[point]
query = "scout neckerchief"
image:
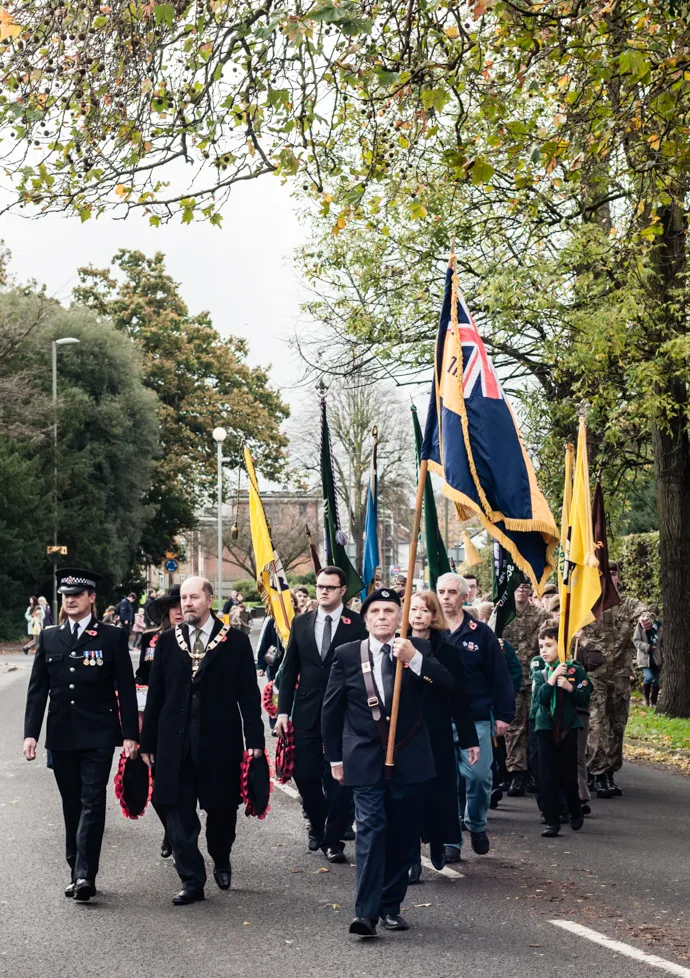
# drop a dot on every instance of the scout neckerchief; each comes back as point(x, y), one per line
point(197, 657)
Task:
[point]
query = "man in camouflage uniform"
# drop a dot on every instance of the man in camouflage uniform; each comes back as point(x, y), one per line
point(523, 635)
point(610, 703)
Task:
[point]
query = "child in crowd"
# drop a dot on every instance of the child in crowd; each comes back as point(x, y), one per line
point(558, 689)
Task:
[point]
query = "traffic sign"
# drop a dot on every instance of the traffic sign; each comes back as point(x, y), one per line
point(57, 550)
point(171, 566)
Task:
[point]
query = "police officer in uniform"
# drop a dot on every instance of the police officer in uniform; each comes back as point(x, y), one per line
point(82, 664)
point(354, 723)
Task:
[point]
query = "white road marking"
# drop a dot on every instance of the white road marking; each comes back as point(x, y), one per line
point(446, 871)
point(287, 788)
point(452, 874)
point(620, 948)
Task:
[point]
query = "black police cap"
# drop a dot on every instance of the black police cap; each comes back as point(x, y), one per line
point(74, 580)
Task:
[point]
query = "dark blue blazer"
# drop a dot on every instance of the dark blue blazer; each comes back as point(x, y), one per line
point(350, 734)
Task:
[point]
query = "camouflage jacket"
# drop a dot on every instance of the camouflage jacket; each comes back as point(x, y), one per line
point(523, 635)
point(613, 635)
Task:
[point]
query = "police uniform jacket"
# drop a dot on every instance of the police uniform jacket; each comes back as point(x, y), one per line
point(209, 716)
point(350, 733)
point(303, 661)
point(83, 711)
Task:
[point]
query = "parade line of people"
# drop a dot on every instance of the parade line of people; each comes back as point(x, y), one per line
point(478, 717)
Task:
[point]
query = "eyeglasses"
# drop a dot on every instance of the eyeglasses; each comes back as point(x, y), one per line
point(328, 587)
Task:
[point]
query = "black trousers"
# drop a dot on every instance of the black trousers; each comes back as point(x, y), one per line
point(389, 824)
point(558, 772)
point(82, 779)
point(183, 828)
point(327, 803)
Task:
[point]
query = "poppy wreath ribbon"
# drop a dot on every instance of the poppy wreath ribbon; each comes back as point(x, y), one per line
point(133, 786)
point(256, 786)
point(285, 754)
point(269, 705)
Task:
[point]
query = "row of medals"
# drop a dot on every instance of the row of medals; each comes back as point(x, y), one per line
point(93, 658)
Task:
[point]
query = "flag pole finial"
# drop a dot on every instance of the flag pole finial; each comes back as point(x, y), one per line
point(582, 410)
point(321, 389)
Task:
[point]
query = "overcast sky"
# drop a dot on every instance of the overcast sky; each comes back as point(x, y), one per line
point(241, 273)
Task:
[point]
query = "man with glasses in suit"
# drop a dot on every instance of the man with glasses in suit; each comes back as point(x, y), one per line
point(314, 637)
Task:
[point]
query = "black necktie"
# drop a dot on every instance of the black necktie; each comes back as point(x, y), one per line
point(326, 637)
point(388, 674)
point(75, 634)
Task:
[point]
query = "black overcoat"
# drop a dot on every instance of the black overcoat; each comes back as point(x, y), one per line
point(303, 662)
point(441, 709)
point(228, 700)
point(83, 711)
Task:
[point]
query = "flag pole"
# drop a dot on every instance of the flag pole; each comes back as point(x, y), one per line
point(390, 752)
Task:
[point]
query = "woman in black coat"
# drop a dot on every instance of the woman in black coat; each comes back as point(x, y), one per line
point(441, 710)
point(165, 612)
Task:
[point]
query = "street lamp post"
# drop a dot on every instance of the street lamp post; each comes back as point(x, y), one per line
point(219, 436)
point(65, 341)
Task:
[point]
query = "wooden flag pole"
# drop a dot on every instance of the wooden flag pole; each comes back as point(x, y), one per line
point(390, 752)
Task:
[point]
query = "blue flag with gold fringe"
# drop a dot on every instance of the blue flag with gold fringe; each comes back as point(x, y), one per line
point(472, 441)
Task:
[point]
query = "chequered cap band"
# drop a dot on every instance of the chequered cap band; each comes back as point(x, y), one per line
point(78, 580)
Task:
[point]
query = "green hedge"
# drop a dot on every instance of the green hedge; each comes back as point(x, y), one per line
point(640, 566)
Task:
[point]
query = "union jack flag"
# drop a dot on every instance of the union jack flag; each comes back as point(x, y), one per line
point(476, 363)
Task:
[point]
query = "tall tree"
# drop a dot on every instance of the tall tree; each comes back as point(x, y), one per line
point(107, 437)
point(200, 379)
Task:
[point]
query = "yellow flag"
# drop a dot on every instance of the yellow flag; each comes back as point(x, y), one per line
point(270, 576)
point(472, 558)
point(581, 585)
point(565, 513)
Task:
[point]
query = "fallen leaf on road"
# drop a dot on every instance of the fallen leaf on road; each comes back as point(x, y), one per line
point(288, 942)
point(244, 923)
point(296, 870)
point(322, 870)
point(534, 945)
point(421, 904)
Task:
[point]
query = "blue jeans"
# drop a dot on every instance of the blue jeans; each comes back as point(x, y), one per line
point(477, 781)
point(651, 675)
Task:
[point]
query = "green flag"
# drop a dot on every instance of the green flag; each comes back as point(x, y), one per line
point(336, 555)
point(436, 555)
point(507, 579)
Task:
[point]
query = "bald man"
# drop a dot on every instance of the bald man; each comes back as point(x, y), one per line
point(203, 701)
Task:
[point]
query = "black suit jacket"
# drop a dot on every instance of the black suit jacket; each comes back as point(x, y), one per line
point(225, 697)
point(350, 734)
point(83, 710)
point(303, 661)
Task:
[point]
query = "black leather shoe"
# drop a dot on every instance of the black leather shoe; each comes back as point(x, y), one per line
point(166, 848)
point(335, 855)
point(480, 842)
point(186, 896)
point(564, 816)
point(414, 873)
point(517, 785)
point(551, 831)
point(393, 921)
point(364, 926)
point(223, 877)
point(84, 890)
point(586, 808)
point(314, 840)
point(349, 835)
point(437, 854)
point(496, 796)
point(601, 785)
point(69, 890)
point(452, 854)
point(616, 792)
point(577, 823)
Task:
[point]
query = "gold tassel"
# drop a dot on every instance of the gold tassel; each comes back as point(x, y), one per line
point(472, 558)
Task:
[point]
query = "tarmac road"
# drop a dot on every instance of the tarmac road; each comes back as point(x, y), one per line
point(626, 875)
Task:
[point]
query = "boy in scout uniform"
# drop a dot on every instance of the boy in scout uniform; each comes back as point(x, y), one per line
point(81, 664)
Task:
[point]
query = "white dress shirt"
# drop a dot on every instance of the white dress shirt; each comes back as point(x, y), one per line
point(83, 623)
point(376, 647)
point(320, 621)
point(205, 629)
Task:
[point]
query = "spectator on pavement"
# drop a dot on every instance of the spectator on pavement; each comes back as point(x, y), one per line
point(29, 616)
point(125, 612)
point(138, 628)
point(47, 613)
point(648, 639)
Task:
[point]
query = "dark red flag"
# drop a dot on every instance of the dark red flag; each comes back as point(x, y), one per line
point(315, 562)
point(609, 595)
